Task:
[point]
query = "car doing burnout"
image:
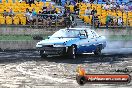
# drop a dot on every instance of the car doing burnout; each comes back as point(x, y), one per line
point(72, 41)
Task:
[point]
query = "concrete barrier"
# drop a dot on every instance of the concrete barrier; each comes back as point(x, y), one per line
point(8, 45)
point(31, 31)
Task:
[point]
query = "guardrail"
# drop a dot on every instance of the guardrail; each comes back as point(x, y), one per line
point(56, 21)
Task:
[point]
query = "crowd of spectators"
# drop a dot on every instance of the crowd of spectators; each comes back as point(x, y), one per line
point(49, 15)
point(10, 13)
point(115, 6)
point(110, 20)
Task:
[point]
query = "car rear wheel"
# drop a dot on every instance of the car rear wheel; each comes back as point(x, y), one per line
point(42, 54)
point(72, 52)
point(97, 51)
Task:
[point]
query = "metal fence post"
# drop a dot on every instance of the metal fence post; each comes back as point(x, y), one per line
point(55, 22)
point(127, 20)
point(37, 22)
point(93, 22)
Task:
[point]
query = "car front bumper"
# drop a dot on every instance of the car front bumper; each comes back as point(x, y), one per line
point(52, 50)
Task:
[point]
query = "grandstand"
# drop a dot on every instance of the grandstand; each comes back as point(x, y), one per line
point(102, 14)
point(19, 9)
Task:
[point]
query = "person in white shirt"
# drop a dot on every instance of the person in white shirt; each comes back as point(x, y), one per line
point(28, 15)
point(120, 21)
point(106, 6)
point(112, 6)
point(122, 6)
point(88, 11)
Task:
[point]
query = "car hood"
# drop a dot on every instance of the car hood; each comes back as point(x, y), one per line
point(56, 41)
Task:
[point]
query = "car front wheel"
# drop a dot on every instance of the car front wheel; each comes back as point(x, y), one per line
point(42, 54)
point(72, 52)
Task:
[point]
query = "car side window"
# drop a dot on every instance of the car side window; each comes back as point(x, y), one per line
point(95, 35)
point(90, 34)
point(83, 33)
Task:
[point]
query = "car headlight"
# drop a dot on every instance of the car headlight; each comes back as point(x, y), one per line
point(39, 45)
point(59, 45)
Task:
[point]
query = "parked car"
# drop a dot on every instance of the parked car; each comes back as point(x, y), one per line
point(72, 41)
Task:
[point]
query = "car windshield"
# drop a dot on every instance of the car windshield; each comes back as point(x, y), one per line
point(66, 33)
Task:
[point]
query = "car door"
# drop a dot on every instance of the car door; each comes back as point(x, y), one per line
point(82, 47)
point(92, 40)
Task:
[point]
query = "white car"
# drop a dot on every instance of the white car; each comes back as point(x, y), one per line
point(72, 41)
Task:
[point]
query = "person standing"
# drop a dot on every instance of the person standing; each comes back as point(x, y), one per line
point(93, 11)
point(107, 21)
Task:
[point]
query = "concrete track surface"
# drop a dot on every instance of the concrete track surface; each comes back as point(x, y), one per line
point(25, 69)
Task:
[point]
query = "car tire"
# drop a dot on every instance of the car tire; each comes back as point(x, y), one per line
point(97, 51)
point(72, 52)
point(42, 54)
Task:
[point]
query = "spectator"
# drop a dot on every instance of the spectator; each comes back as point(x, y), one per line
point(50, 7)
point(114, 21)
point(27, 14)
point(73, 2)
point(61, 20)
point(72, 20)
point(30, 18)
point(112, 6)
point(44, 22)
point(67, 10)
point(88, 11)
point(49, 22)
point(58, 2)
point(126, 7)
point(11, 13)
point(95, 20)
point(93, 11)
point(108, 18)
point(111, 1)
point(53, 11)
point(31, 2)
point(60, 13)
point(76, 9)
point(119, 21)
point(91, 1)
point(122, 6)
point(40, 18)
point(67, 20)
point(44, 10)
point(106, 6)
point(34, 15)
point(5, 13)
point(117, 6)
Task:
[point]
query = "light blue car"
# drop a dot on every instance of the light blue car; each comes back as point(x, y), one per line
point(72, 41)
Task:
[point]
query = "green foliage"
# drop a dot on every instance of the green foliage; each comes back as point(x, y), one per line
point(17, 37)
point(119, 37)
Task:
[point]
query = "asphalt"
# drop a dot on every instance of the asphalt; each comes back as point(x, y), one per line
point(26, 69)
